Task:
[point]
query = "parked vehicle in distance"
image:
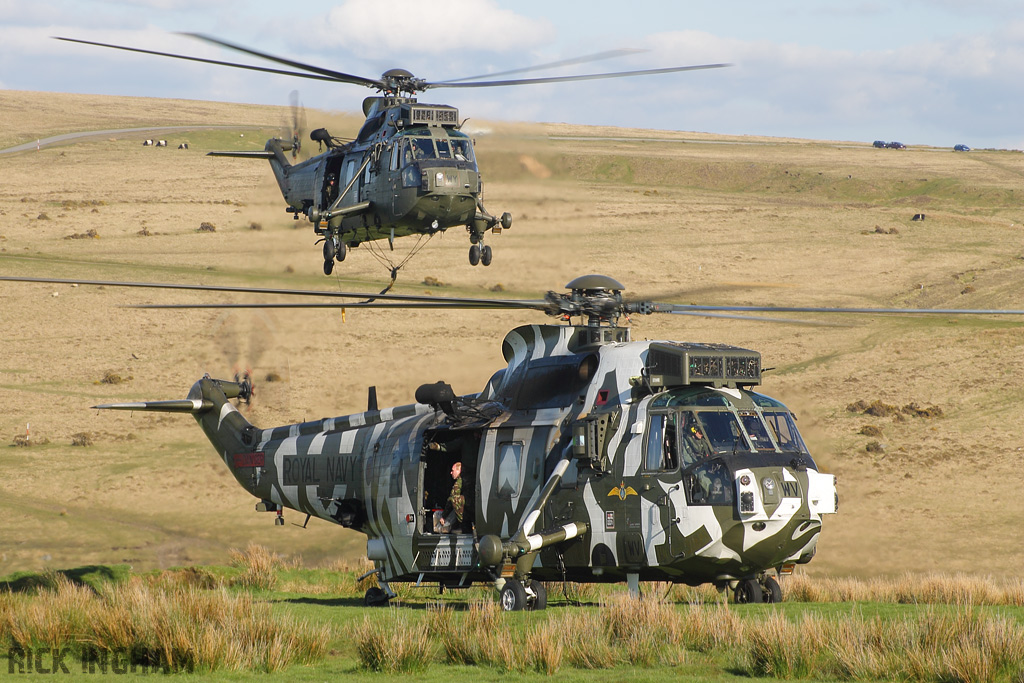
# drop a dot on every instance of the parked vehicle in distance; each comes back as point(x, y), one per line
point(878, 143)
point(961, 148)
point(896, 145)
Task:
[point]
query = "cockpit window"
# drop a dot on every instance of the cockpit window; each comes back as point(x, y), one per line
point(722, 429)
point(416, 149)
point(784, 430)
point(709, 483)
point(462, 149)
point(422, 148)
point(662, 444)
point(695, 446)
point(757, 431)
point(444, 150)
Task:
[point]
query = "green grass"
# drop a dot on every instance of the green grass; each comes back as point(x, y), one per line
point(322, 629)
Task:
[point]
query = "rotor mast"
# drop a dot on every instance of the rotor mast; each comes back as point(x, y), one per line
point(597, 298)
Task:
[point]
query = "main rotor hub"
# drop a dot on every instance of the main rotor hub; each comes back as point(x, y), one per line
point(596, 297)
point(400, 81)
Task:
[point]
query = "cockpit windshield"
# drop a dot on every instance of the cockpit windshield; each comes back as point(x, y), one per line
point(704, 424)
point(420, 148)
point(409, 149)
point(723, 430)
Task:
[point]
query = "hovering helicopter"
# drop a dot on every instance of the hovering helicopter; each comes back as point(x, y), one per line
point(589, 458)
point(411, 169)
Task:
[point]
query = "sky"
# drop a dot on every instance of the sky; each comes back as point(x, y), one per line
point(935, 72)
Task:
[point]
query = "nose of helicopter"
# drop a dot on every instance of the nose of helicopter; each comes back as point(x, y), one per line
point(780, 510)
point(448, 195)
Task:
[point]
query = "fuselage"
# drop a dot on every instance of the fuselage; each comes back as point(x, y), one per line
point(409, 171)
point(656, 501)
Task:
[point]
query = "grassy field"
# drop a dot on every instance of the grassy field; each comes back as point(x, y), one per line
point(265, 615)
point(927, 478)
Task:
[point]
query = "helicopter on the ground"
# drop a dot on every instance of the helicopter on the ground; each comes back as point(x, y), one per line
point(411, 170)
point(589, 458)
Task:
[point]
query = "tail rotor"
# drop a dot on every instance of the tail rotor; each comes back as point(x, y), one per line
point(298, 123)
point(247, 389)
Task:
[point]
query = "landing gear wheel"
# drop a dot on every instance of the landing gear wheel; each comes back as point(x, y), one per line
point(748, 591)
point(376, 597)
point(342, 253)
point(771, 589)
point(485, 256)
point(506, 220)
point(513, 596)
point(329, 249)
point(474, 254)
point(328, 267)
point(541, 600)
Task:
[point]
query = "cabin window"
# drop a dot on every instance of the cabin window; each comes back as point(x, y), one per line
point(510, 455)
point(350, 170)
point(444, 150)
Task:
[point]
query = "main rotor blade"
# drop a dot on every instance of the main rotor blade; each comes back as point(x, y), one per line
point(756, 318)
point(355, 304)
point(685, 309)
point(597, 56)
point(567, 79)
point(200, 59)
point(335, 75)
point(447, 301)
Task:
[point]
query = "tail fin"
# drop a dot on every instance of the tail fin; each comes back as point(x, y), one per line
point(209, 402)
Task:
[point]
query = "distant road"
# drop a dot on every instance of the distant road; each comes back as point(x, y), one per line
point(67, 137)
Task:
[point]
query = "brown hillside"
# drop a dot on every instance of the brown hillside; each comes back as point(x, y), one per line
point(927, 478)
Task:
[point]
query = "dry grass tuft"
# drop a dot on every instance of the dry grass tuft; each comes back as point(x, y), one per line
point(388, 643)
point(259, 567)
point(89, 234)
point(175, 626)
point(944, 589)
point(111, 377)
point(545, 648)
point(82, 439)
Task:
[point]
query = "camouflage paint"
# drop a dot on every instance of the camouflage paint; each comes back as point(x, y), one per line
point(366, 471)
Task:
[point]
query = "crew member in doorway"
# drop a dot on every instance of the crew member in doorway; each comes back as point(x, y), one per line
point(456, 503)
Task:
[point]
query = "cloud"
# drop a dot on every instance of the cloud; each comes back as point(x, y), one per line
point(927, 92)
point(379, 29)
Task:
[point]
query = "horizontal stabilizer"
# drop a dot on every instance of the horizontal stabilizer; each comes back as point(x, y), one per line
point(261, 154)
point(184, 405)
